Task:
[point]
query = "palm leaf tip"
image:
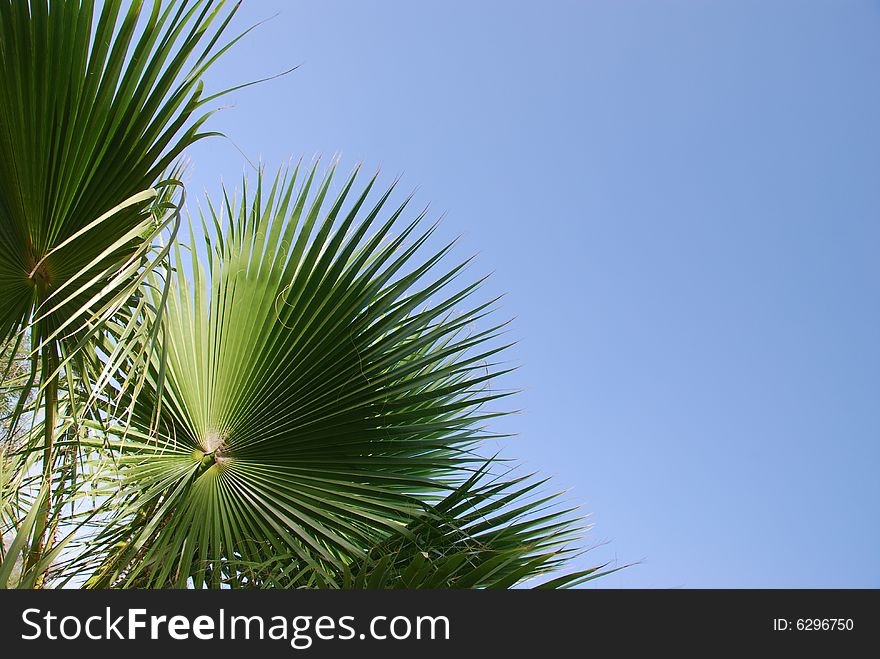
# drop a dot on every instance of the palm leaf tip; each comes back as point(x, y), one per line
point(489, 532)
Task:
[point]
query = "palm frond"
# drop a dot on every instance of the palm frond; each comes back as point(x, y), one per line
point(323, 385)
point(490, 532)
point(96, 101)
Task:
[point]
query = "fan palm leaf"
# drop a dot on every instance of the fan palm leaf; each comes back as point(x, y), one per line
point(323, 384)
point(490, 532)
point(96, 102)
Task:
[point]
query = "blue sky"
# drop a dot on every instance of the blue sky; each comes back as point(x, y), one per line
point(681, 201)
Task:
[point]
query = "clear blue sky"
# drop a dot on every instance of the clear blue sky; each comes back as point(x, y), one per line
point(681, 201)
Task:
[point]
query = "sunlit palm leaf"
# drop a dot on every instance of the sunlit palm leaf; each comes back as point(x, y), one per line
point(322, 384)
point(23, 495)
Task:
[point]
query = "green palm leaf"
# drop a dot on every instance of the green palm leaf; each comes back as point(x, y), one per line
point(95, 104)
point(488, 533)
point(322, 387)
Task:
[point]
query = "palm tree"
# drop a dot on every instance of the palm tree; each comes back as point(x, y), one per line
point(295, 397)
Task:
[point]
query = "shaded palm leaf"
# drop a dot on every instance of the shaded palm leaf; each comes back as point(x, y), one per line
point(96, 101)
point(488, 533)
